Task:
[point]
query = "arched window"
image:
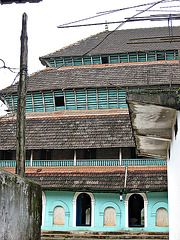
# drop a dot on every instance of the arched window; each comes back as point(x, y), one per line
point(110, 216)
point(59, 216)
point(136, 211)
point(162, 217)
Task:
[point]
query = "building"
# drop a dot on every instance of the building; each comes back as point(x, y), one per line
point(160, 139)
point(79, 140)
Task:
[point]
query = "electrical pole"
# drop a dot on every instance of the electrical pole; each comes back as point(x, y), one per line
point(21, 104)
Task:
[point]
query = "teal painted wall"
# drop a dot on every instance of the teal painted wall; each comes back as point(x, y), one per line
point(102, 201)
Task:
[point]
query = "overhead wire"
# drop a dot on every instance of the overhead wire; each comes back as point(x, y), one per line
point(124, 22)
point(99, 14)
point(120, 25)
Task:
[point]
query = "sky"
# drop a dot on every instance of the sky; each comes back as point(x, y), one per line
point(43, 35)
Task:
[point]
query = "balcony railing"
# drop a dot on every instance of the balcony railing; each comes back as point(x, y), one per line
point(86, 162)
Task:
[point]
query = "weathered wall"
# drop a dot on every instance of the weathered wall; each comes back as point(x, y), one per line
point(20, 208)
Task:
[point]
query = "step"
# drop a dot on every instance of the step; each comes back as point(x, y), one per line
point(45, 235)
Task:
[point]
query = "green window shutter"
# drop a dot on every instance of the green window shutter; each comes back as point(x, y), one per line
point(141, 57)
point(9, 102)
point(87, 60)
point(123, 57)
point(151, 56)
point(38, 102)
point(112, 98)
point(29, 103)
point(51, 61)
point(81, 99)
point(160, 55)
point(170, 55)
point(70, 100)
point(15, 100)
point(133, 57)
point(61, 106)
point(102, 98)
point(176, 55)
point(122, 98)
point(114, 58)
point(91, 99)
point(77, 61)
point(59, 62)
point(96, 59)
point(49, 102)
point(68, 61)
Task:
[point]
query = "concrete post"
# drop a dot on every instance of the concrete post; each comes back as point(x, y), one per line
point(21, 104)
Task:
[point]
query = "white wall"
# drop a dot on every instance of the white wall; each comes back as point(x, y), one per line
point(173, 164)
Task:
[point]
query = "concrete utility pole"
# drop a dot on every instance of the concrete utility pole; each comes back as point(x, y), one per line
point(21, 105)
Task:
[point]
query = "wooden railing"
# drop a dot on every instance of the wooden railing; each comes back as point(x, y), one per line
point(86, 162)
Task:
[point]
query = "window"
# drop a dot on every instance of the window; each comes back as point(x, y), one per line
point(110, 216)
point(104, 59)
point(162, 217)
point(59, 101)
point(59, 216)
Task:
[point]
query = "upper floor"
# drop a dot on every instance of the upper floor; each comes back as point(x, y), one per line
point(121, 46)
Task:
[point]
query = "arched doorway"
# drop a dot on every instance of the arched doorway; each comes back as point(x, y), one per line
point(136, 211)
point(83, 210)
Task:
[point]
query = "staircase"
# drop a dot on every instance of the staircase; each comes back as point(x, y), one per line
point(82, 235)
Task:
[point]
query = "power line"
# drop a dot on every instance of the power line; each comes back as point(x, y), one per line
point(121, 24)
point(99, 14)
point(5, 67)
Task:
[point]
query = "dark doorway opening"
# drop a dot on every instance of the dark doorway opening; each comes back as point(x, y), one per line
point(83, 210)
point(136, 211)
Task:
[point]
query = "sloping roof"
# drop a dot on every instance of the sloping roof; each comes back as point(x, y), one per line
point(66, 131)
point(117, 42)
point(118, 75)
point(110, 179)
point(153, 115)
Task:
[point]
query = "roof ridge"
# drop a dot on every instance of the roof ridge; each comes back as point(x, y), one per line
point(75, 43)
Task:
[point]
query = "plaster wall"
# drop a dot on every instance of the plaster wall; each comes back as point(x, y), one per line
point(20, 208)
point(173, 164)
point(101, 202)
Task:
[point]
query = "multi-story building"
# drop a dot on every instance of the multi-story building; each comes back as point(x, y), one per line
point(79, 140)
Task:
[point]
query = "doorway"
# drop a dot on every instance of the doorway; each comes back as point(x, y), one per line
point(83, 210)
point(136, 211)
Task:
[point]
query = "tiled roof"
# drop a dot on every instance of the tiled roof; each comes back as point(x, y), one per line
point(117, 75)
point(99, 178)
point(117, 42)
point(70, 131)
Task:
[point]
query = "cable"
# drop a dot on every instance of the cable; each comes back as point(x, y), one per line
point(121, 24)
point(4, 66)
point(103, 13)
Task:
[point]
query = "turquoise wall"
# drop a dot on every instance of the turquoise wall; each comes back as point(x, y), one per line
point(102, 201)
